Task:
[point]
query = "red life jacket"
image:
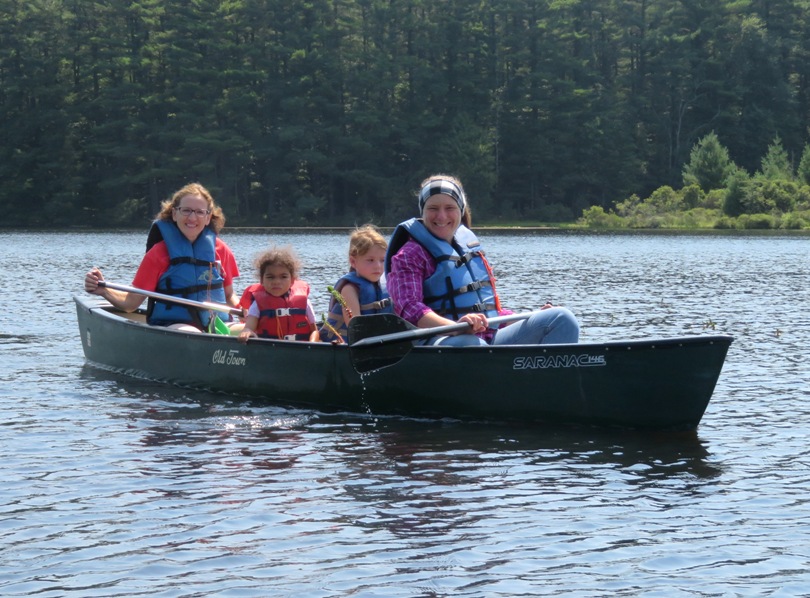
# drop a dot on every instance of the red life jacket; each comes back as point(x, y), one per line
point(247, 297)
point(283, 317)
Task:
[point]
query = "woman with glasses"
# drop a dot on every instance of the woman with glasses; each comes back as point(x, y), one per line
point(190, 261)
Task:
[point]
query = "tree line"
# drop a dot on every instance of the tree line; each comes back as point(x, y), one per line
point(307, 112)
point(717, 193)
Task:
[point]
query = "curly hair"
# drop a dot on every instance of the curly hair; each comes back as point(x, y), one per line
point(278, 256)
point(217, 216)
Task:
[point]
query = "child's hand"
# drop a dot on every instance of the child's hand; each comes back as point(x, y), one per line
point(245, 335)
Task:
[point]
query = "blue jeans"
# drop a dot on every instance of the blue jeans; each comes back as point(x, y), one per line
point(556, 325)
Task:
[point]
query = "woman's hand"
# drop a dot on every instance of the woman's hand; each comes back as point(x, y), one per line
point(122, 300)
point(477, 322)
point(91, 282)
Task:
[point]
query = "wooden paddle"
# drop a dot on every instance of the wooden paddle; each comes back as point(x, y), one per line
point(206, 305)
point(379, 340)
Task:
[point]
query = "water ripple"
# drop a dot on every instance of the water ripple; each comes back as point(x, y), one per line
point(115, 486)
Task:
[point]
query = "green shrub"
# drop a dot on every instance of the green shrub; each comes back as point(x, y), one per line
point(596, 217)
point(628, 206)
point(725, 223)
point(692, 196)
point(802, 202)
point(698, 218)
point(734, 201)
point(795, 221)
point(665, 199)
point(713, 200)
point(779, 194)
point(755, 222)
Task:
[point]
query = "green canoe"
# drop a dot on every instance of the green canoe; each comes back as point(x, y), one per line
point(650, 384)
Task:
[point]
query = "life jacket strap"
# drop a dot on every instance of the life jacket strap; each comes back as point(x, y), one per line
point(282, 312)
point(460, 260)
point(191, 289)
point(194, 262)
point(473, 286)
point(381, 304)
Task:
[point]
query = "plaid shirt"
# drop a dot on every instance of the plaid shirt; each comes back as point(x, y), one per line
point(409, 267)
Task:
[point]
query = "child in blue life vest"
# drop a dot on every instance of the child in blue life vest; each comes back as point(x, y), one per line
point(279, 306)
point(362, 289)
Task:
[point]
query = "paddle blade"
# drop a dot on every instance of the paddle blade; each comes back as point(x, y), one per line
point(217, 326)
point(367, 358)
point(376, 325)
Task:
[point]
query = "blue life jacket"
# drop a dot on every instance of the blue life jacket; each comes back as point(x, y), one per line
point(461, 283)
point(374, 299)
point(193, 273)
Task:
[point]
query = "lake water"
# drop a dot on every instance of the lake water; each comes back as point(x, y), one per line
point(121, 487)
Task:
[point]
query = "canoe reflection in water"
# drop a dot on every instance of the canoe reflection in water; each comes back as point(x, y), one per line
point(413, 478)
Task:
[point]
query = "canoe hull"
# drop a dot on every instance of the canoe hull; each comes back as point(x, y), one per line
point(658, 384)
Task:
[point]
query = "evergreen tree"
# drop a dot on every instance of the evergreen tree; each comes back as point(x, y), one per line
point(331, 111)
point(36, 161)
point(736, 192)
point(709, 164)
point(775, 164)
point(803, 172)
point(761, 96)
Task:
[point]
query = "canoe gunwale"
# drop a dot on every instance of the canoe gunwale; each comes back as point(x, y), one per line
point(602, 383)
point(621, 344)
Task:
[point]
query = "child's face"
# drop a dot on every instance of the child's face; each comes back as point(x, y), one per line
point(276, 280)
point(370, 265)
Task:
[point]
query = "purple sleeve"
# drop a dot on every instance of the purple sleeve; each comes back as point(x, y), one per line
point(409, 267)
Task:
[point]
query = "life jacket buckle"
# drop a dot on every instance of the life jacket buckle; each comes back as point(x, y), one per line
point(283, 311)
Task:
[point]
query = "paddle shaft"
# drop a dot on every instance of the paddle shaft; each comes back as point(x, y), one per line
point(206, 305)
point(416, 333)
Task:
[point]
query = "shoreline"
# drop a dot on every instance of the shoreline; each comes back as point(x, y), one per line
point(500, 229)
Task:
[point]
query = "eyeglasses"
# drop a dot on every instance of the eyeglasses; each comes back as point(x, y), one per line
point(186, 212)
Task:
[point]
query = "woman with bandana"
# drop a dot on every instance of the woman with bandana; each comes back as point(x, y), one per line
point(438, 274)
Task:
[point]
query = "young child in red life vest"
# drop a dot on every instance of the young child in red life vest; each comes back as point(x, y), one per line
point(279, 307)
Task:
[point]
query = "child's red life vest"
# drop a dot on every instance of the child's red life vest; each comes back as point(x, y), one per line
point(283, 317)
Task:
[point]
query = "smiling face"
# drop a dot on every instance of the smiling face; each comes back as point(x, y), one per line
point(192, 214)
point(276, 279)
point(442, 216)
point(371, 264)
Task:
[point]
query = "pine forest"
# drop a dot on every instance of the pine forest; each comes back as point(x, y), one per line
point(330, 112)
